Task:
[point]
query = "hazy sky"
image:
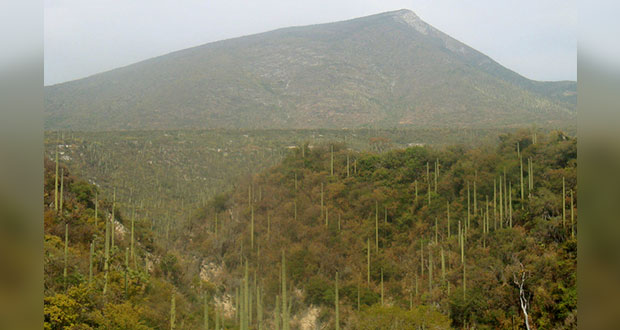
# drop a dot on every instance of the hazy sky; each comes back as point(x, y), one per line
point(536, 38)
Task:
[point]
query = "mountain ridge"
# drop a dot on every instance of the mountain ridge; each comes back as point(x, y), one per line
point(350, 73)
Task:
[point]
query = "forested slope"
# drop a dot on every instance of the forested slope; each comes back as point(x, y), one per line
point(417, 236)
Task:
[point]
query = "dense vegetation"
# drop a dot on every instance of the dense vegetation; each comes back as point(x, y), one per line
point(450, 236)
point(97, 277)
point(386, 70)
point(168, 174)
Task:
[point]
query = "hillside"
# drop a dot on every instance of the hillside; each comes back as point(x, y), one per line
point(431, 237)
point(174, 172)
point(110, 272)
point(385, 70)
point(420, 238)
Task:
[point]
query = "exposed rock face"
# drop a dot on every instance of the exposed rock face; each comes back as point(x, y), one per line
point(309, 319)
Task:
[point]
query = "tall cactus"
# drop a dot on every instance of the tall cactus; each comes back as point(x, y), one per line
point(96, 209)
point(368, 261)
point(90, 262)
point(358, 297)
point(205, 313)
point(563, 202)
point(131, 244)
point(506, 193)
point(246, 297)
point(443, 266)
point(475, 199)
point(421, 258)
point(276, 316)
point(259, 308)
point(428, 181)
point(377, 226)
point(347, 165)
point(173, 312)
point(56, 183)
point(501, 203)
point(285, 311)
point(326, 217)
point(337, 303)
point(252, 227)
point(322, 199)
point(66, 255)
point(436, 229)
point(468, 203)
point(436, 173)
point(495, 202)
point(430, 269)
point(448, 216)
point(572, 215)
point(106, 264)
point(522, 185)
point(510, 204)
point(382, 302)
point(62, 180)
point(126, 272)
point(331, 167)
point(462, 242)
point(112, 225)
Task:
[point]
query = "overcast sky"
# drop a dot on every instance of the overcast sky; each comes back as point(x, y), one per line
point(536, 38)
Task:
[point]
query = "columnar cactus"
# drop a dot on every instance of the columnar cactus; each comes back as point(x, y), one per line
point(430, 269)
point(468, 203)
point(173, 312)
point(337, 303)
point(205, 313)
point(572, 215)
point(285, 309)
point(112, 226)
point(475, 199)
point(510, 204)
point(66, 255)
point(106, 264)
point(62, 179)
point(131, 244)
point(322, 201)
point(563, 202)
point(522, 186)
point(448, 217)
point(443, 266)
point(436, 173)
point(56, 183)
point(376, 226)
point(382, 287)
point(368, 263)
point(347, 165)
point(276, 316)
point(501, 203)
point(96, 209)
point(126, 271)
point(436, 230)
point(332, 160)
point(90, 262)
point(421, 258)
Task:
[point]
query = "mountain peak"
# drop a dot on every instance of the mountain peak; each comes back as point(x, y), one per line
point(384, 70)
point(410, 18)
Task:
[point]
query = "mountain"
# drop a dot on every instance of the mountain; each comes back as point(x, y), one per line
point(385, 70)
